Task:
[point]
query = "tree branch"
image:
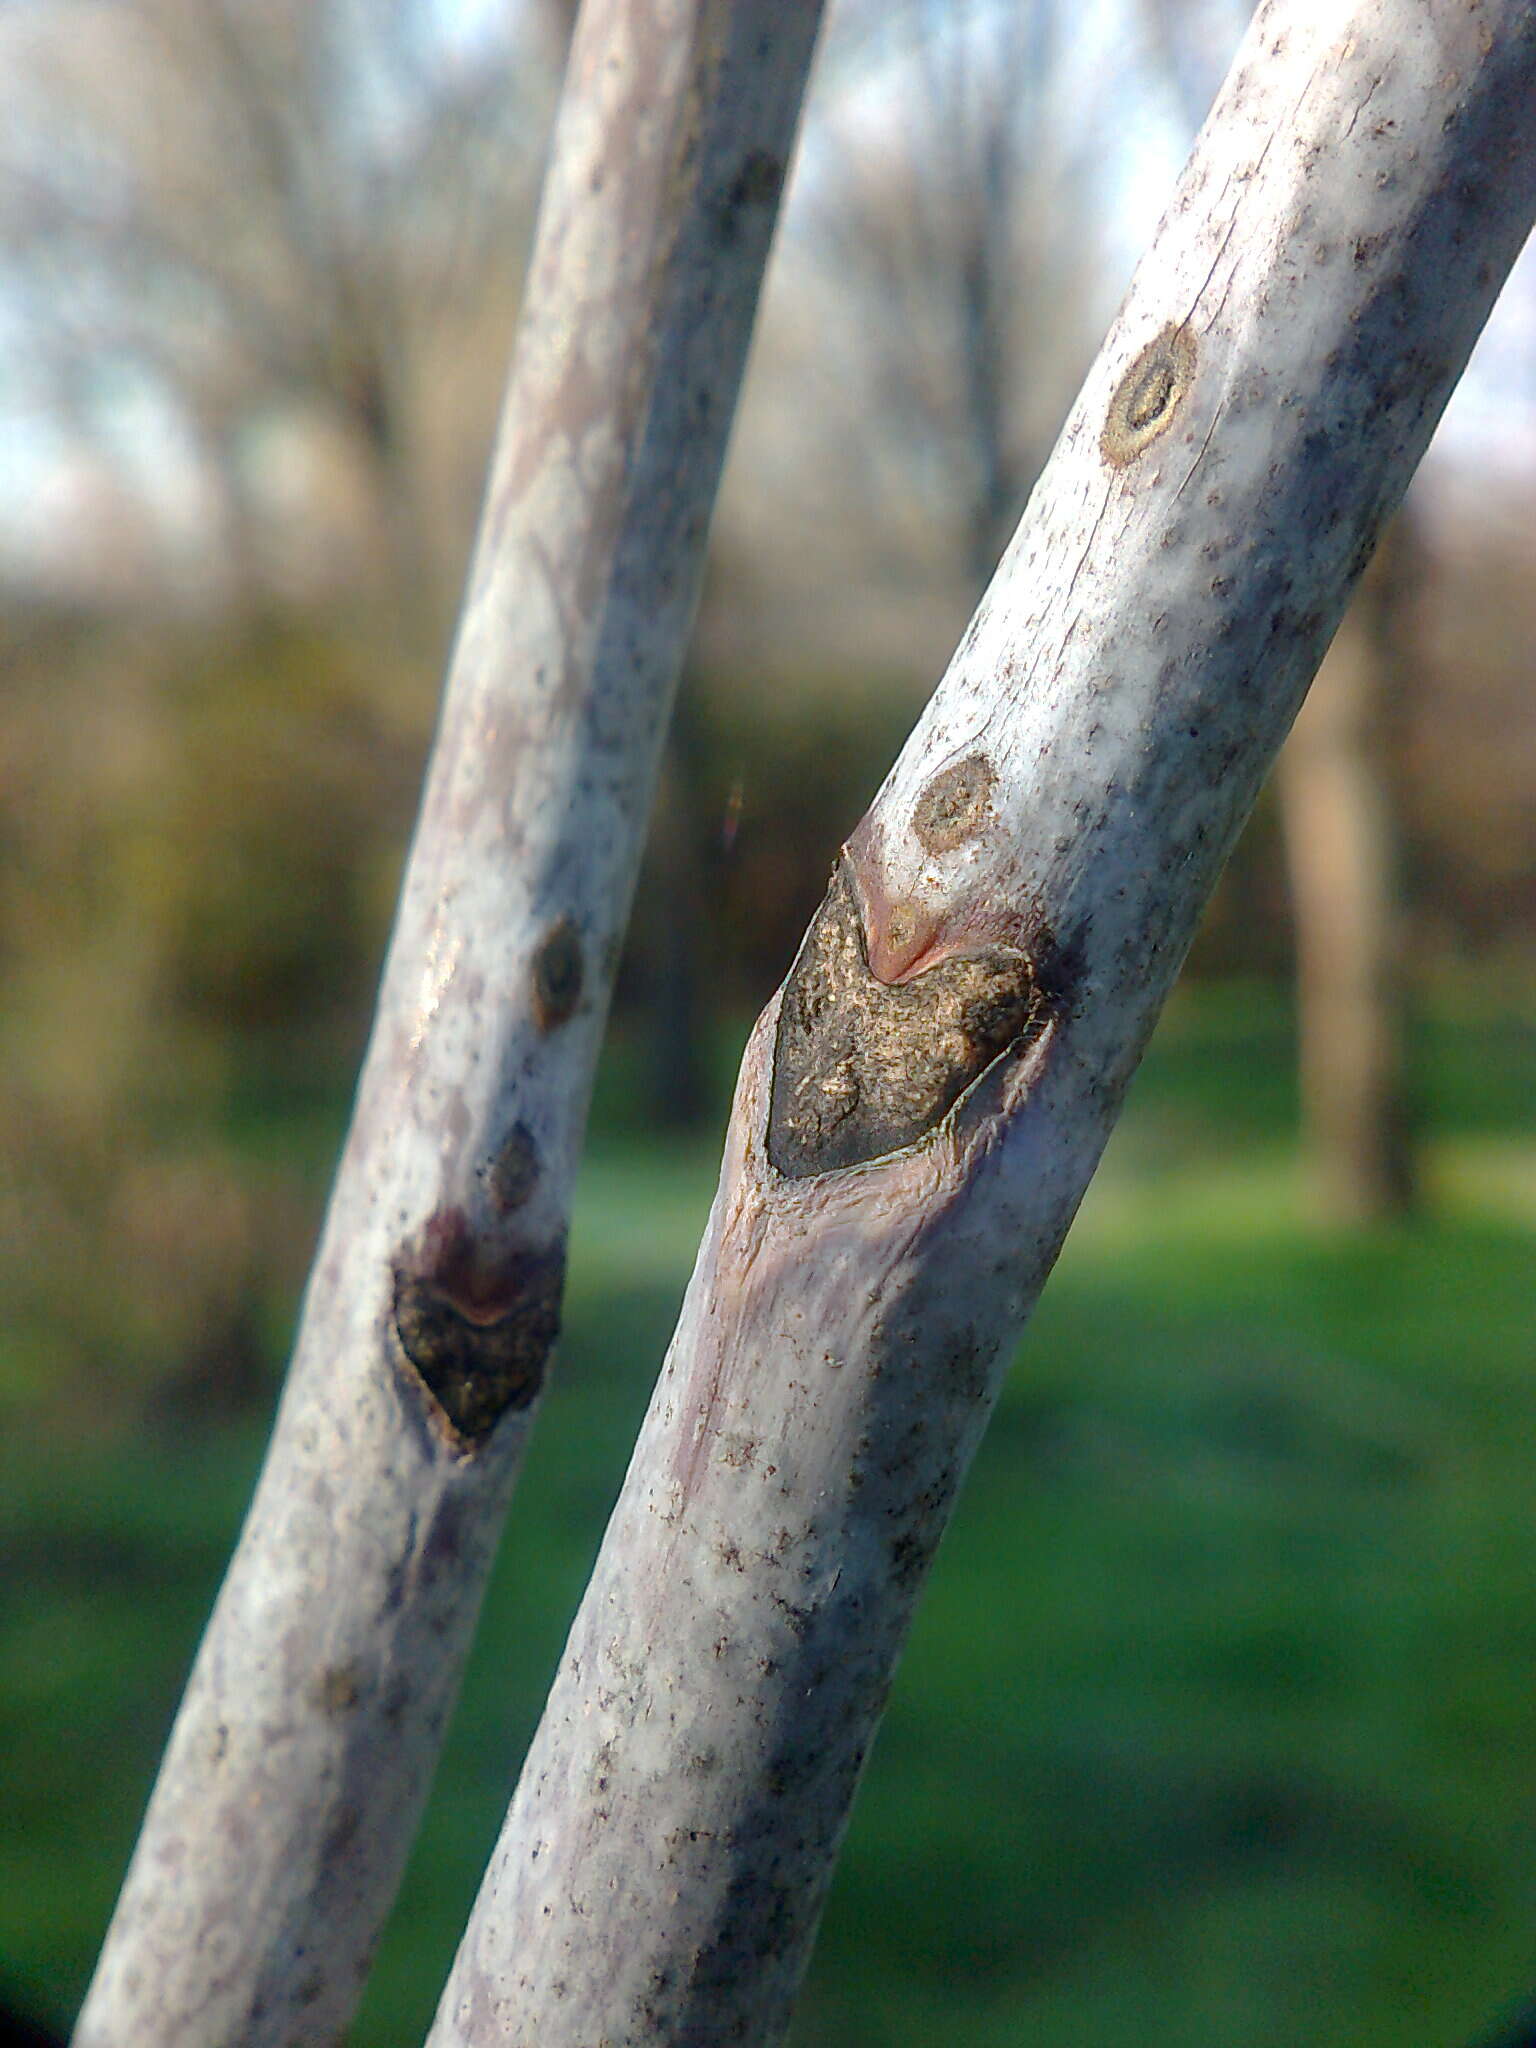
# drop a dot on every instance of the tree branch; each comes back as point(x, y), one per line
point(895, 1187)
point(304, 1747)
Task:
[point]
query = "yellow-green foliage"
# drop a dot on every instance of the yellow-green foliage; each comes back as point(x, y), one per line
point(199, 845)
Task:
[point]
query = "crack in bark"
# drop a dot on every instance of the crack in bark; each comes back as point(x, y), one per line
point(862, 1067)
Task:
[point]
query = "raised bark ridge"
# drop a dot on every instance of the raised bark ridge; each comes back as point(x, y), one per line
point(864, 1067)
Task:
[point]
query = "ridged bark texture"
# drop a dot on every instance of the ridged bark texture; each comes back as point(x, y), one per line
point(305, 1744)
point(1056, 821)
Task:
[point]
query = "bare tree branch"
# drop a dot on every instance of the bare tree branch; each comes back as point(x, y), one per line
point(305, 1744)
point(921, 1106)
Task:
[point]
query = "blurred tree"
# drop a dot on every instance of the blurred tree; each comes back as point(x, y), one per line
point(681, 937)
point(1341, 843)
point(940, 238)
point(278, 229)
point(261, 264)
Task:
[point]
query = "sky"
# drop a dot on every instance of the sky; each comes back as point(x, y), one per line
point(47, 493)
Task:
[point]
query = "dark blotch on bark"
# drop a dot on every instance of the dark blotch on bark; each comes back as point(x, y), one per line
point(754, 189)
point(513, 1172)
point(338, 1689)
point(557, 976)
point(862, 1067)
point(758, 181)
point(477, 1369)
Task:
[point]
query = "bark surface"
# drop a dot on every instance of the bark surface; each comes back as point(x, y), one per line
point(303, 1750)
point(922, 1105)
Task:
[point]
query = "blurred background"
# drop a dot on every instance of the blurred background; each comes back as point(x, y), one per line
point(1219, 1725)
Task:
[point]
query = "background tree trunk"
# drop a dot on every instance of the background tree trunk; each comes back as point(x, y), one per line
point(675, 1009)
point(1336, 807)
point(922, 1105)
point(305, 1744)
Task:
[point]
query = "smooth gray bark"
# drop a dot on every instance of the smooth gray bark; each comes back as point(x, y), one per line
point(304, 1746)
point(922, 1104)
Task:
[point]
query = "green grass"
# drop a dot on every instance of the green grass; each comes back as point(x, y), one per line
point(1218, 1725)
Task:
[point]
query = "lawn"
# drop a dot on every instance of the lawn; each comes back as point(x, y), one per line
point(1218, 1726)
